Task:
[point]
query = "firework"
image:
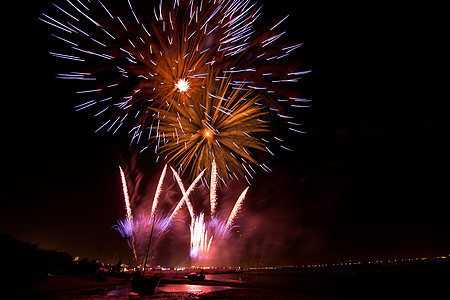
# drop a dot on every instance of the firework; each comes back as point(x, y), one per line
point(130, 226)
point(234, 212)
point(161, 222)
point(124, 228)
point(141, 56)
point(128, 208)
point(207, 231)
point(210, 234)
point(132, 57)
point(200, 242)
point(158, 192)
point(142, 226)
point(224, 127)
point(185, 198)
point(213, 189)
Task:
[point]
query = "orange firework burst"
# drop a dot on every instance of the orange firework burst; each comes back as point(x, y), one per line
point(147, 67)
point(137, 55)
point(223, 125)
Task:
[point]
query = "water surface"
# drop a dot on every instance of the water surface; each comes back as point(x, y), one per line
point(168, 288)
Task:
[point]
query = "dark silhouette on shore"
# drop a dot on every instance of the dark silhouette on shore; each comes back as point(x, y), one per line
point(26, 264)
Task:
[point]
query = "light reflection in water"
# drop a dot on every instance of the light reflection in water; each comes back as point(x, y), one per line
point(190, 288)
point(171, 288)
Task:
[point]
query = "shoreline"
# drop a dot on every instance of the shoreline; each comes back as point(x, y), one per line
point(61, 287)
point(401, 281)
point(55, 285)
point(73, 287)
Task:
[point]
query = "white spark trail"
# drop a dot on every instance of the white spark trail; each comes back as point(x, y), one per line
point(128, 207)
point(158, 192)
point(235, 210)
point(213, 188)
point(185, 197)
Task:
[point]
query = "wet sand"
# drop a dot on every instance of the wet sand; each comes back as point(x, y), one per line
point(402, 282)
point(61, 285)
point(72, 287)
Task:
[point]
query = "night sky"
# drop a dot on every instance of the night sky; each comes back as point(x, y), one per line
point(368, 180)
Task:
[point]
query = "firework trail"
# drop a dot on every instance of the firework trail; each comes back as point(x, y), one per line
point(124, 228)
point(128, 208)
point(133, 57)
point(143, 224)
point(213, 189)
point(163, 222)
point(130, 226)
point(234, 212)
point(200, 242)
point(207, 235)
point(185, 198)
point(158, 192)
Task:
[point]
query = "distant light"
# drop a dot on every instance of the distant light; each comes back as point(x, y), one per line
point(182, 85)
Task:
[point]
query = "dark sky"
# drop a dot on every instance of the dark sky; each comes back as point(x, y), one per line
point(368, 180)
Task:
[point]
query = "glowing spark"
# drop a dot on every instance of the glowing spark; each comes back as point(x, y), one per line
point(208, 133)
point(128, 207)
point(182, 85)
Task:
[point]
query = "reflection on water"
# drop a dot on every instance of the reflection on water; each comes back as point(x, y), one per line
point(278, 278)
point(119, 293)
point(170, 288)
point(231, 277)
point(190, 288)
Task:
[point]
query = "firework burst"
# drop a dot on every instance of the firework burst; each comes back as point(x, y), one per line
point(137, 56)
point(224, 126)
